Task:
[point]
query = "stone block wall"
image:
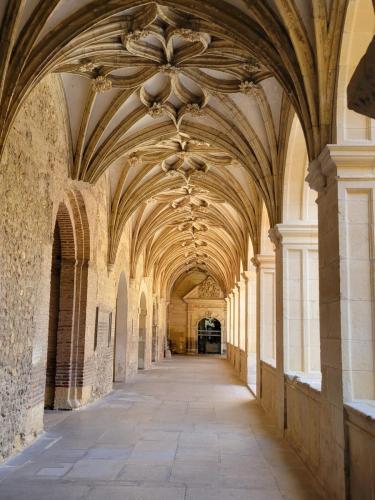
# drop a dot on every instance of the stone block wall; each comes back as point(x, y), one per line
point(268, 389)
point(33, 183)
point(360, 431)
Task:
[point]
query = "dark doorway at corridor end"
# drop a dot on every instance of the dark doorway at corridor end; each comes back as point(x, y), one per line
point(209, 336)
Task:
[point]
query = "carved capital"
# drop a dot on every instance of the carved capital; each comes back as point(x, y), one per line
point(315, 177)
point(275, 236)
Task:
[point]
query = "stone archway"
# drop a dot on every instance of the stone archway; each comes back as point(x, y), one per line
point(119, 356)
point(61, 315)
point(68, 300)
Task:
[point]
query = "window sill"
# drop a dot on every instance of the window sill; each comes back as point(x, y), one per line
point(365, 407)
point(310, 380)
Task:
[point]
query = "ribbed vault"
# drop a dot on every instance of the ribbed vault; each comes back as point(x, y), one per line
point(186, 106)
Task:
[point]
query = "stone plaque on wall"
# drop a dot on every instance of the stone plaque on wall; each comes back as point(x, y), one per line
point(103, 327)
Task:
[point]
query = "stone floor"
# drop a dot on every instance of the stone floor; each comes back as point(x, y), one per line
point(185, 430)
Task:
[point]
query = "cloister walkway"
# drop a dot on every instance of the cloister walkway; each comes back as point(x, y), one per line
point(185, 430)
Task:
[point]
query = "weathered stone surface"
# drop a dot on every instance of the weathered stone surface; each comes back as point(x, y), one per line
point(33, 182)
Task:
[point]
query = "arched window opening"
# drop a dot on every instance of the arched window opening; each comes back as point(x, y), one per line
point(297, 247)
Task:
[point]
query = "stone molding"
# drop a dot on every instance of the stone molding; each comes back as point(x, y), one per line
point(247, 275)
point(301, 233)
point(341, 162)
point(263, 261)
point(241, 285)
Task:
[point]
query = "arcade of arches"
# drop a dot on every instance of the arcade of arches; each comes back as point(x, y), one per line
point(179, 169)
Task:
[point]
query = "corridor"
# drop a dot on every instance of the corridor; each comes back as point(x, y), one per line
point(185, 430)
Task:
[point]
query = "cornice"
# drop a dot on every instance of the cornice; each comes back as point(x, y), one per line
point(300, 233)
point(341, 162)
point(263, 261)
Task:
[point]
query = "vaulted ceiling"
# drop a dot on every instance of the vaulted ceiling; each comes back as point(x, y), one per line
point(186, 106)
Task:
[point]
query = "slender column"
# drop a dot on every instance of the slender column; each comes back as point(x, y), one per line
point(241, 320)
point(266, 307)
point(297, 317)
point(162, 330)
point(231, 299)
point(235, 316)
point(231, 319)
point(251, 326)
point(227, 327)
point(235, 328)
point(344, 176)
point(266, 317)
point(241, 285)
point(192, 340)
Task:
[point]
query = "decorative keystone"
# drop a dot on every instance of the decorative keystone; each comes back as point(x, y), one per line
point(250, 88)
point(101, 84)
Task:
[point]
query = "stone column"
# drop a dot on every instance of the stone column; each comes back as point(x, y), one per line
point(235, 327)
point(192, 341)
point(242, 312)
point(162, 331)
point(266, 314)
point(232, 330)
point(344, 177)
point(251, 326)
point(227, 327)
point(266, 307)
point(297, 295)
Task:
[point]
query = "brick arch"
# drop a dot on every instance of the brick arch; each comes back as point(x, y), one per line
point(74, 238)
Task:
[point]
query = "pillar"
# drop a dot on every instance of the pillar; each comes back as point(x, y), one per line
point(265, 265)
point(227, 328)
point(235, 328)
point(242, 314)
point(192, 340)
point(231, 326)
point(344, 177)
point(250, 278)
point(162, 330)
point(266, 317)
point(242, 311)
point(297, 295)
